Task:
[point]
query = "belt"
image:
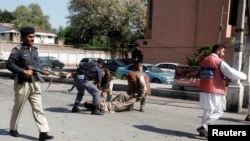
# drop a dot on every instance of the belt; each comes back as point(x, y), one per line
point(22, 79)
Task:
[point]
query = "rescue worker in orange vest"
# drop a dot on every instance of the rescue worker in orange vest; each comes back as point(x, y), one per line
point(213, 73)
point(139, 83)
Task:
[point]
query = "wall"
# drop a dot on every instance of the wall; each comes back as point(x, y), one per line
point(70, 56)
point(179, 27)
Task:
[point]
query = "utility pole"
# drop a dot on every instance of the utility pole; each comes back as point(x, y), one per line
point(221, 25)
point(246, 68)
point(235, 88)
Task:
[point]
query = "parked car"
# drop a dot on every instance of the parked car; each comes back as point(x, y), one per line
point(126, 61)
point(155, 73)
point(44, 60)
point(89, 59)
point(113, 64)
point(168, 66)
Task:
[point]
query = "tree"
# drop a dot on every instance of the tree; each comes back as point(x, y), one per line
point(199, 54)
point(67, 34)
point(6, 16)
point(121, 21)
point(31, 16)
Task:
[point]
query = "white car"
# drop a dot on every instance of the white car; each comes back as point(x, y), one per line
point(168, 66)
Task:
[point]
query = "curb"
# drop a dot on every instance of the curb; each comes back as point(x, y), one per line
point(160, 90)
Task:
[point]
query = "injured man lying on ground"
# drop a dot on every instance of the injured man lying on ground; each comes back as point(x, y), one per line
point(122, 102)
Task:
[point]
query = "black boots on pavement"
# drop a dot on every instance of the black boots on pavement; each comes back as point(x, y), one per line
point(43, 136)
point(14, 133)
point(75, 109)
point(94, 110)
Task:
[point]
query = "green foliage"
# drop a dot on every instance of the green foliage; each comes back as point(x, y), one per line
point(199, 54)
point(121, 22)
point(67, 34)
point(6, 16)
point(98, 44)
point(31, 16)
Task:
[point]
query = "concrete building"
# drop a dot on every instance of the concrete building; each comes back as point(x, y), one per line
point(176, 28)
point(44, 37)
point(9, 33)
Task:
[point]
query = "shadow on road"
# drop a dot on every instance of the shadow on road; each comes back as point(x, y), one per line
point(168, 132)
point(58, 110)
point(235, 120)
point(5, 132)
point(174, 103)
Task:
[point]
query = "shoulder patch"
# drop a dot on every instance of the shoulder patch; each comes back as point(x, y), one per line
point(14, 51)
point(17, 47)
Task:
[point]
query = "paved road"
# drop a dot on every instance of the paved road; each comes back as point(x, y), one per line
point(165, 119)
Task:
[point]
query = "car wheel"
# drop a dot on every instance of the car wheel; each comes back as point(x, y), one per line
point(124, 77)
point(61, 67)
point(156, 81)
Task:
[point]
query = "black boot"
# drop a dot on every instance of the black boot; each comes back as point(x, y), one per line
point(44, 136)
point(14, 133)
point(108, 98)
point(96, 111)
point(75, 109)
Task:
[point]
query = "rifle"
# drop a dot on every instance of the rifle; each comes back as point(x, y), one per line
point(39, 72)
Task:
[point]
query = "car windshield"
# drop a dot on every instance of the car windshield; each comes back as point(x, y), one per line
point(153, 68)
point(120, 63)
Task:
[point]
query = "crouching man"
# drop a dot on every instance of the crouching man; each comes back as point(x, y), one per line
point(139, 83)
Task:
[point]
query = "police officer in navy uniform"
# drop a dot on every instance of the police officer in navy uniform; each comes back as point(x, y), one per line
point(137, 58)
point(26, 85)
point(92, 85)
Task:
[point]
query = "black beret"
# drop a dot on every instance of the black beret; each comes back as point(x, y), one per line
point(27, 30)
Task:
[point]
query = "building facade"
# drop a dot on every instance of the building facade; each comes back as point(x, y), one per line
point(176, 28)
point(7, 32)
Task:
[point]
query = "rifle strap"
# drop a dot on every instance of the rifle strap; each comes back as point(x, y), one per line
point(50, 82)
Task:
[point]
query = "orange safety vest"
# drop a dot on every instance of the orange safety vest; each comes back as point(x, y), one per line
point(211, 78)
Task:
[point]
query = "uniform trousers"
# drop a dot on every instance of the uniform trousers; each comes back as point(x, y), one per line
point(143, 100)
point(110, 90)
point(82, 85)
point(138, 67)
point(28, 91)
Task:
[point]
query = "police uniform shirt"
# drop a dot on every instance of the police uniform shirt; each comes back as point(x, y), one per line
point(137, 54)
point(21, 57)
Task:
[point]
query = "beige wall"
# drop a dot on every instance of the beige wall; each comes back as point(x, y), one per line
point(67, 54)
